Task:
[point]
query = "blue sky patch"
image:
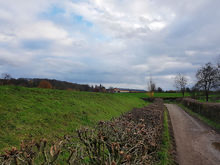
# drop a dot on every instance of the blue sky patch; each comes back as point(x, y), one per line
point(79, 19)
point(52, 13)
point(36, 44)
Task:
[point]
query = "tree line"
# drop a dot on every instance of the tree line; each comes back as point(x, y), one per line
point(7, 79)
point(208, 78)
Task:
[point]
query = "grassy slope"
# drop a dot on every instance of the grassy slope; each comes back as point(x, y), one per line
point(37, 113)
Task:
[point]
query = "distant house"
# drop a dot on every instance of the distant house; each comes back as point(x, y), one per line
point(124, 90)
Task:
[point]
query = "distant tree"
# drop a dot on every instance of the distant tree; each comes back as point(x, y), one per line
point(6, 79)
point(218, 65)
point(208, 77)
point(45, 84)
point(194, 92)
point(111, 90)
point(218, 62)
point(30, 83)
point(91, 88)
point(180, 83)
point(188, 89)
point(159, 89)
point(151, 85)
point(96, 89)
point(6, 76)
point(102, 88)
point(170, 91)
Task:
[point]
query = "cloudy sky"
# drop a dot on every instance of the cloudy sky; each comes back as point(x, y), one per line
point(118, 43)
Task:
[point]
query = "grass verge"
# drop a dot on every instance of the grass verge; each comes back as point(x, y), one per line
point(164, 154)
point(202, 118)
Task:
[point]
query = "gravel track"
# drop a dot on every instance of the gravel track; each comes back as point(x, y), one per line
point(197, 144)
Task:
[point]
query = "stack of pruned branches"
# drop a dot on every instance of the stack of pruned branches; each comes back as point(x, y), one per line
point(133, 138)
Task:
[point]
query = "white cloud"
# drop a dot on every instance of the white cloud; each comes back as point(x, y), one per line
point(157, 25)
point(42, 29)
point(117, 43)
point(125, 18)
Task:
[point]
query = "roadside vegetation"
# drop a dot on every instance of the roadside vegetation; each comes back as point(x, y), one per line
point(164, 153)
point(33, 113)
point(202, 118)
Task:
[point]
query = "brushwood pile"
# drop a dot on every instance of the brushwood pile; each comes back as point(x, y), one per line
point(133, 138)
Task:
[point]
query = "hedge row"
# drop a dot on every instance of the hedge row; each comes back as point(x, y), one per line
point(208, 110)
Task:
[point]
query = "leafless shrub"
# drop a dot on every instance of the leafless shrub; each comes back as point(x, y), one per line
point(180, 83)
point(151, 85)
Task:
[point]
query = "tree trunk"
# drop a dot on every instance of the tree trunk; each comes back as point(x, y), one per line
point(207, 95)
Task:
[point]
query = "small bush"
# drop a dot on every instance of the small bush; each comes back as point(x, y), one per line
point(45, 84)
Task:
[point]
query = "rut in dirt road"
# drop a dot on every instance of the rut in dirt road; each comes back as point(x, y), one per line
point(196, 143)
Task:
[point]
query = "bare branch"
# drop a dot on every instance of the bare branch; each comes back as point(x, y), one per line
point(180, 83)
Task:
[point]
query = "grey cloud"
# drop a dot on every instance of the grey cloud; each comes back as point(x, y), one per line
point(127, 42)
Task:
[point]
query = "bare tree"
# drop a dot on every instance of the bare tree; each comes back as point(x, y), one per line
point(151, 85)
point(208, 77)
point(111, 90)
point(180, 83)
point(218, 65)
point(218, 62)
point(159, 89)
point(6, 76)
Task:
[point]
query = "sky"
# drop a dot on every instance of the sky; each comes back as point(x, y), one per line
point(118, 43)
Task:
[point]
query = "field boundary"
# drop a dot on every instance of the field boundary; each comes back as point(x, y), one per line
point(208, 110)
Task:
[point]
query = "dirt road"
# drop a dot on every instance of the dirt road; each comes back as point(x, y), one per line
point(196, 143)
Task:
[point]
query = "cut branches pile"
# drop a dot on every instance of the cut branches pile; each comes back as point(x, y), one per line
point(133, 138)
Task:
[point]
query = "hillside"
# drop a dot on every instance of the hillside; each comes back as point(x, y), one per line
point(36, 113)
point(55, 84)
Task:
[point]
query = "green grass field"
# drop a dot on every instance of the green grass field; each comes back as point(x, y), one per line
point(36, 113)
point(162, 95)
point(213, 98)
